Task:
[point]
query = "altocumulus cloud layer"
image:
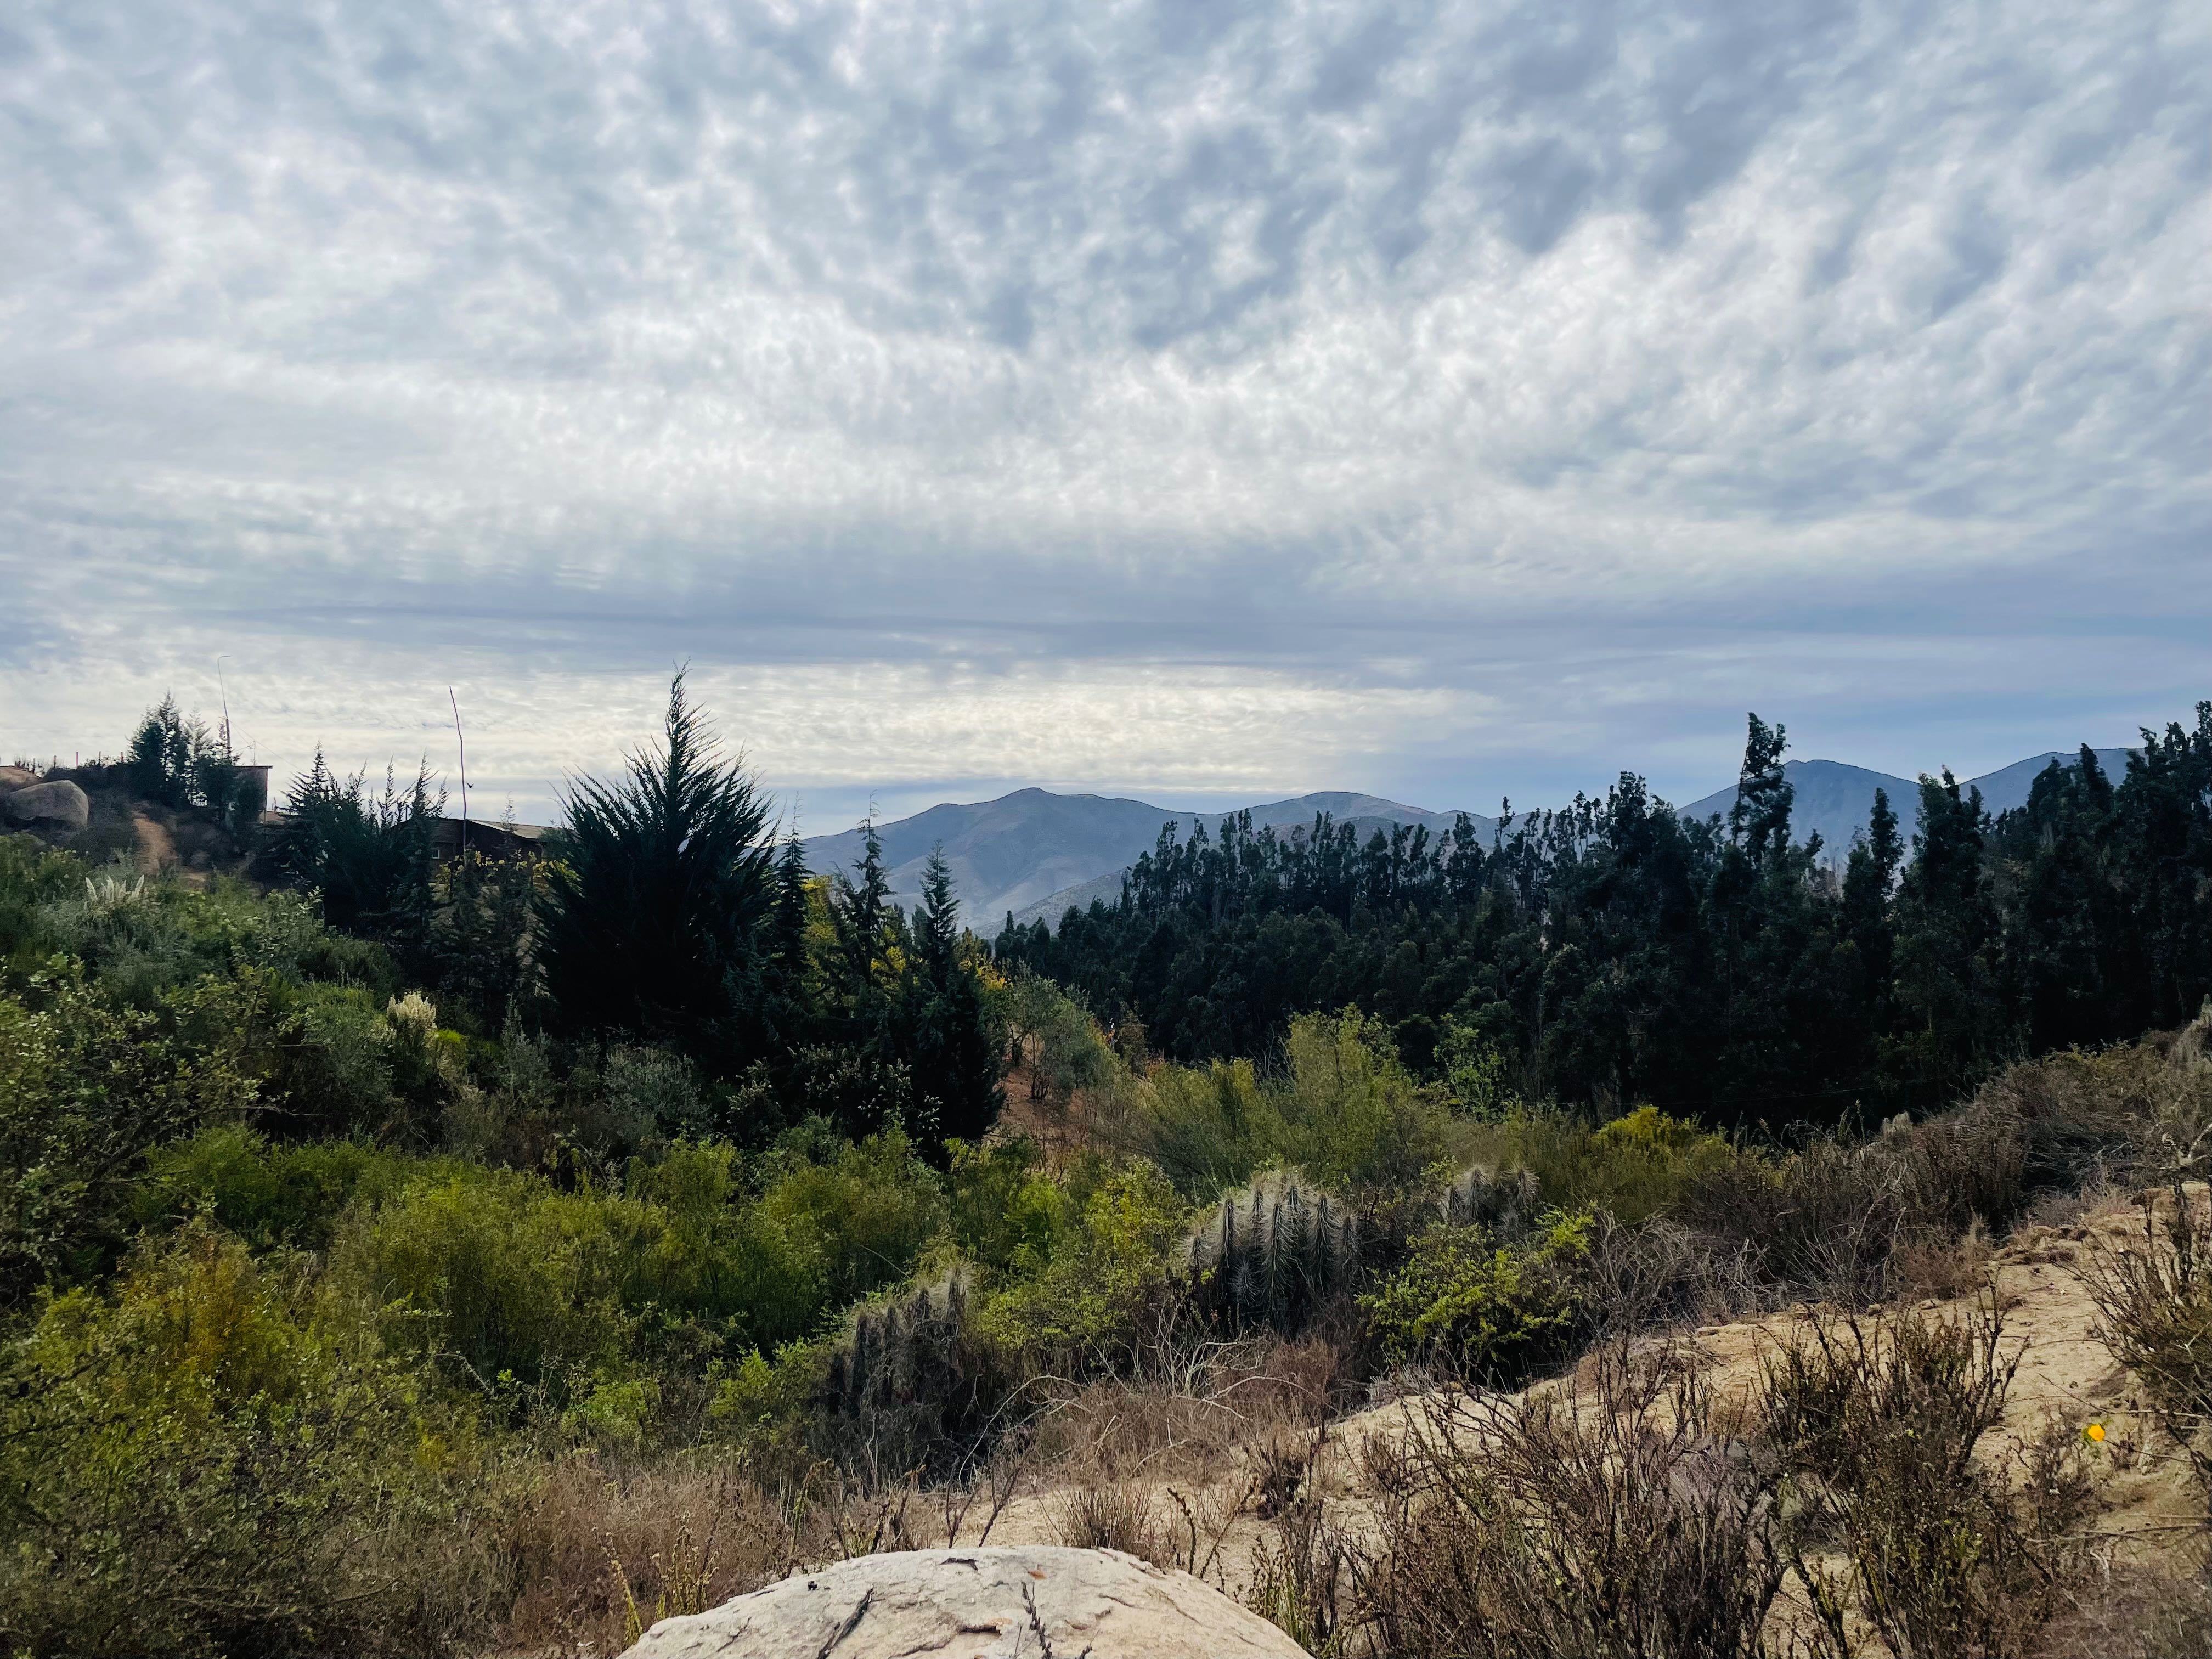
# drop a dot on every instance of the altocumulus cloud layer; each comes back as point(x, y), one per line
point(1186, 398)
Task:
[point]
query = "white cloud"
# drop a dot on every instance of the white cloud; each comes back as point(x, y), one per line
point(1388, 395)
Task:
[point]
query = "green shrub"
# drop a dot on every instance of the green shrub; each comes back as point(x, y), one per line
point(268, 1195)
point(220, 1458)
point(1087, 1306)
point(1354, 1119)
point(85, 1090)
point(31, 877)
point(499, 1274)
point(502, 1273)
point(1497, 1310)
point(1005, 1217)
point(871, 1208)
point(1208, 1127)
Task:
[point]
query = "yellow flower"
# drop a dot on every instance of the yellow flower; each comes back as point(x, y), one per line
point(2095, 1434)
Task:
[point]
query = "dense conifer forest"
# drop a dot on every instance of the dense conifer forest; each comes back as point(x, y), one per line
point(1612, 952)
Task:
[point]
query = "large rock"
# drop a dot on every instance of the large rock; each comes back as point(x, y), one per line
point(47, 803)
point(16, 777)
point(1022, 1603)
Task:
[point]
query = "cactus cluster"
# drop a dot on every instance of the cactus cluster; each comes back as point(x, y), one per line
point(913, 1349)
point(1504, 1200)
point(1272, 1253)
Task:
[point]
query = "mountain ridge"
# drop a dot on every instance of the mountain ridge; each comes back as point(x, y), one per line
point(1034, 854)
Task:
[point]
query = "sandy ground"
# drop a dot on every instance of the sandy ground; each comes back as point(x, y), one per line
point(2065, 1375)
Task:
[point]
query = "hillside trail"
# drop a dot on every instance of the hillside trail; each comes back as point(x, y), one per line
point(2065, 1377)
point(157, 850)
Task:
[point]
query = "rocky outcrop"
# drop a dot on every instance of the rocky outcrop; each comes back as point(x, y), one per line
point(56, 803)
point(1023, 1603)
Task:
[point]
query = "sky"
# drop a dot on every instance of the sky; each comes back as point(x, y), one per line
point(1197, 401)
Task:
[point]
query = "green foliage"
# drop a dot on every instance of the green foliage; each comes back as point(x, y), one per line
point(869, 1208)
point(1341, 1108)
point(32, 877)
point(287, 1196)
point(220, 1457)
point(1208, 1127)
point(1006, 1216)
point(371, 857)
point(1353, 1118)
point(1613, 952)
point(1088, 1305)
point(649, 916)
point(86, 1090)
point(1498, 1310)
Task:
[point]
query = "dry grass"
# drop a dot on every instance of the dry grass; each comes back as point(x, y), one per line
point(597, 1553)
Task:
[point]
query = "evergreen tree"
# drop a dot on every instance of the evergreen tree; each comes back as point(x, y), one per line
point(1953, 1024)
point(953, 1054)
point(652, 912)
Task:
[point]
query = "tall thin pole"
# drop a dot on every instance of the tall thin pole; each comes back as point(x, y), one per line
point(461, 744)
point(224, 693)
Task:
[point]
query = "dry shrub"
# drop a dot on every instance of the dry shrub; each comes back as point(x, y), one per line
point(1190, 1415)
point(1110, 1517)
point(1877, 1424)
point(599, 1553)
point(1302, 1576)
point(2143, 1614)
point(2154, 1299)
point(1942, 1267)
point(1658, 1275)
point(1608, 1516)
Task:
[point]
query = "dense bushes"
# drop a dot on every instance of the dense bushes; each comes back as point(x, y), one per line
point(222, 1455)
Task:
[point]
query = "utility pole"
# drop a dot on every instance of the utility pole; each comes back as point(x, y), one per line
point(461, 744)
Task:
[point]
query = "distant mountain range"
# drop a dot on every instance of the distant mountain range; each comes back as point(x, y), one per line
point(1836, 800)
point(1034, 850)
point(1036, 854)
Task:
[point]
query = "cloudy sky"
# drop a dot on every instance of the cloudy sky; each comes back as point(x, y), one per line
point(1198, 400)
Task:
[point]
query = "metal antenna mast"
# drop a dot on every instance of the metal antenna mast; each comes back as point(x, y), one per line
point(461, 744)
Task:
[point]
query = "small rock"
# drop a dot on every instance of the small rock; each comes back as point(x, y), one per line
point(47, 803)
point(977, 1604)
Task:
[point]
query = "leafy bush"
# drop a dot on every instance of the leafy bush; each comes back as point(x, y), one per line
point(86, 1089)
point(869, 1208)
point(221, 1459)
point(269, 1195)
point(1006, 1216)
point(1207, 1128)
point(1086, 1309)
point(1354, 1119)
point(1497, 1310)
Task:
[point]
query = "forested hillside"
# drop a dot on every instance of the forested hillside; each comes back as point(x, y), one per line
point(1615, 951)
point(407, 1253)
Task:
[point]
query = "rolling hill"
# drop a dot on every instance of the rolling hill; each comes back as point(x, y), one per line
point(1036, 854)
